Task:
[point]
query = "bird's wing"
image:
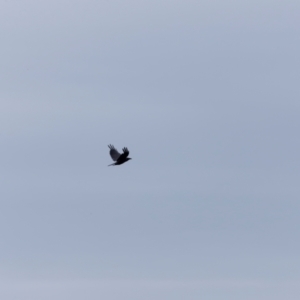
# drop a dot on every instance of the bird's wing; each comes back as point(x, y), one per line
point(125, 152)
point(114, 153)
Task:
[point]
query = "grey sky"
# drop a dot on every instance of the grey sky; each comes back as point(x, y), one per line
point(205, 95)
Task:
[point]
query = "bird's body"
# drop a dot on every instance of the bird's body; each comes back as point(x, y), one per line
point(117, 157)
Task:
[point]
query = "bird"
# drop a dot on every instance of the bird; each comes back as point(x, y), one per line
point(117, 157)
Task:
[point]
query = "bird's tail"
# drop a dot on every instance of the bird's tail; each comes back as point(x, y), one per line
point(112, 165)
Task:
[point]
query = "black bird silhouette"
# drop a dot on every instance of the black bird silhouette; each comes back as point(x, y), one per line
point(117, 157)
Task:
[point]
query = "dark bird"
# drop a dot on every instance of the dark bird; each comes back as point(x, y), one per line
point(117, 157)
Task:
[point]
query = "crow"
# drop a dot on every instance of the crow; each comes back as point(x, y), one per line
point(117, 157)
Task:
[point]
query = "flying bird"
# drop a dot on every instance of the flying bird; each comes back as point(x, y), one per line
point(117, 157)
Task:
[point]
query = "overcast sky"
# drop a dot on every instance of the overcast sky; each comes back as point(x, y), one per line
point(205, 95)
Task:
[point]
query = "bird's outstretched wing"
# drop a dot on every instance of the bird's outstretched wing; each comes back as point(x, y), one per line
point(114, 153)
point(125, 152)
